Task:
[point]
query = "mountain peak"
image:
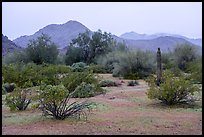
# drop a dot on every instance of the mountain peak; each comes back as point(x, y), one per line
point(60, 34)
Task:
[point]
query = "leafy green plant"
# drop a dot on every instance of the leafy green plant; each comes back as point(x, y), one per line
point(19, 99)
point(55, 101)
point(172, 90)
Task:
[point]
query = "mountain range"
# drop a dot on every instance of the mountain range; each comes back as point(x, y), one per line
point(136, 36)
point(62, 34)
point(8, 46)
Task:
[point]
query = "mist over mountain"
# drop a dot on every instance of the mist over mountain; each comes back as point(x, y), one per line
point(62, 34)
point(8, 46)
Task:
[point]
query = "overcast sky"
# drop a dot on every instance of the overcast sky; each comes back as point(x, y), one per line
point(25, 18)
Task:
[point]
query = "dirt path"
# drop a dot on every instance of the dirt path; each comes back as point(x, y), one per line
point(122, 110)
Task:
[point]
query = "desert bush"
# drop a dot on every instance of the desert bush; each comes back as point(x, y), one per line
point(19, 99)
point(79, 66)
point(195, 70)
point(16, 56)
point(132, 83)
point(75, 79)
point(172, 90)
point(107, 83)
point(108, 60)
point(96, 68)
point(8, 87)
point(183, 54)
point(54, 101)
point(134, 65)
point(84, 90)
point(28, 75)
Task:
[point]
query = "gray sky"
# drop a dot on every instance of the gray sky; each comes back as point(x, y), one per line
point(25, 18)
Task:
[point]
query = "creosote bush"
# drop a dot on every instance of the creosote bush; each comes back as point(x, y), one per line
point(75, 79)
point(8, 87)
point(19, 99)
point(55, 101)
point(172, 90)
point(107, 83)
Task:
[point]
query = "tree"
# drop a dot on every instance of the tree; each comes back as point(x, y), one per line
point(42, 50)
point(184, 54)
point(73, 55)
point(87, 47)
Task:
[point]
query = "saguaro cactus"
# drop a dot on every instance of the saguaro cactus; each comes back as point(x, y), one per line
point(159, 70)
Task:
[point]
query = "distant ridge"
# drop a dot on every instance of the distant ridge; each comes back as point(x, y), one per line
point(8, 46)
point(62, 34)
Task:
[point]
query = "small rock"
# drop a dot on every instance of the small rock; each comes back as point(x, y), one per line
point(112, 97)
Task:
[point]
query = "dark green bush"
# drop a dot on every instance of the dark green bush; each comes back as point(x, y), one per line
point(134, 64)
point(28, 75)
point(184, 54)
point(172, 90)
point(96, 68)
point(55, 101)
point(107, 83)
point(3, 90)
point(19, 99)
point(195, 70)
point(132, 83)
point(79, 66)
point(75, 79)
point(84, 90)
point(133, 76)
point(8, 87)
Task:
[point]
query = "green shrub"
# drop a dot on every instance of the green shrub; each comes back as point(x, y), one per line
point(172, 90)
point(133, 76)
point(3, 90)
point(183, 54)
point(107, 83)
point(8, 87)
point(84, 90)
point(54, 101)
point(28, 75)
point(79, 66)
point(96, 68)
point(75, 79)
point(19, 99)
point(108, 61)
point(195, 70)
point(134, 64)
point(132, 83)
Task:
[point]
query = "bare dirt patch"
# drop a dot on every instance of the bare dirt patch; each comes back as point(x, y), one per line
point(122, 110)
